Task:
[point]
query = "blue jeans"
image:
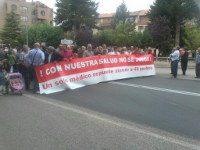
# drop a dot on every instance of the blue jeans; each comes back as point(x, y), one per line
point(175, 68)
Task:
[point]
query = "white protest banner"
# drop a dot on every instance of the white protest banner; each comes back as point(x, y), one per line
point(92, 70)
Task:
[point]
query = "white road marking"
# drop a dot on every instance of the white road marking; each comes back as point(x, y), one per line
point(157, 89)
point(115, 123)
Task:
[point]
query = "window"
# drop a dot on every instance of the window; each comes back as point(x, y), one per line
point(43, 13)
point(23, 9)
point(24, 18)
point(140, 28)
point(33, 12)
point(14, 7)
point(33, 20)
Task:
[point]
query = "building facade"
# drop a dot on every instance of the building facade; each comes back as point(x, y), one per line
point(139, 18)
point(29, 12)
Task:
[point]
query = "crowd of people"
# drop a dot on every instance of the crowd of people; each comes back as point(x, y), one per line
point(182, 55)
point(25, 60)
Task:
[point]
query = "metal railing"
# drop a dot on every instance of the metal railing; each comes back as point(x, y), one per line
point(166, 59)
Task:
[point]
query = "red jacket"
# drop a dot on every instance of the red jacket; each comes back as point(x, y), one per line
point(67, 55)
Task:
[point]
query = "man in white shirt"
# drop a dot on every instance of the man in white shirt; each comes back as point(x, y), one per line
point(89, 52)
point(175, 59)
point(114, 51)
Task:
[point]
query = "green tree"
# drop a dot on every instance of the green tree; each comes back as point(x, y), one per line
point(11, 33)
point(177, 12)
point(43, 33)
point(161, 36)
point(105, 37)
point(73, 14)
point(84, 36)
point(123, 34)
point(192, 39)
point(121, 15)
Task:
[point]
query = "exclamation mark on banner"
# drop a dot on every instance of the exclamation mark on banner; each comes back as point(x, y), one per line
point(41, 74)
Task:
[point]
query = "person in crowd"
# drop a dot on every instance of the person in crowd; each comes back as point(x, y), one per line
point(35, 58)
point(5, 61)
point(12, 61)
point(175, 59)
point(130, 51)
point(74, 48)
point(198, 63)
point(24, 66)
point(67, 53)
point(144, 51)
point(2, 79)
point(81, 51)
point(2, 55)
point(60, 48)
point(53, 55)
point(132, 48)
point(137, 52)
point(170, 59)
point(114, 51)
point(104, 46)
point(125, 51)
point(19, 66)
point(44, 49)
point(89, 52)
point(97, 51)
point(151, 51)
point(184, 60)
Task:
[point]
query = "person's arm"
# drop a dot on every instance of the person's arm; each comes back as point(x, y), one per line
point(58, 56)
point(42, 56)
point(28, 60)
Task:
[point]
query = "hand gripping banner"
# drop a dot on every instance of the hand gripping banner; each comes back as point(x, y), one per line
point(92, 70)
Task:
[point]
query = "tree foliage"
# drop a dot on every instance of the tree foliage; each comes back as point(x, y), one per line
point(43, 33)
point(161, 34)
point(192, 39)
point(85, 36)
point(11, 33)
point(121, 15)
point(73, 14)
point(177, 12)
point(125, 35)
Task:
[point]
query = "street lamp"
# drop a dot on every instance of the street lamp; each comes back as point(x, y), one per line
point(26, 35)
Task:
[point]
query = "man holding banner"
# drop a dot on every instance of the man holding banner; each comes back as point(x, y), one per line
point(52, 55)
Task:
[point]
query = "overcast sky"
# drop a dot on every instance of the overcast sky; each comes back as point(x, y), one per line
point(109, 6)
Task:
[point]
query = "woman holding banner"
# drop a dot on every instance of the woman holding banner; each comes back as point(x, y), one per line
point(67, 53)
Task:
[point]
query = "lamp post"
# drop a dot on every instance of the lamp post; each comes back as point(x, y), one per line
point(26, 35)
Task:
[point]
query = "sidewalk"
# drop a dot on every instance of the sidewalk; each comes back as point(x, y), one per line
point(164, 69)
point(162, 64)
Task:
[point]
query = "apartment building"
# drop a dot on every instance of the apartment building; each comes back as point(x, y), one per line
point(29, 12)
point(138, 17)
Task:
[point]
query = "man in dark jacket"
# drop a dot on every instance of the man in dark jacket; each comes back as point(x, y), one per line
point(184, 60)
point(52, 55)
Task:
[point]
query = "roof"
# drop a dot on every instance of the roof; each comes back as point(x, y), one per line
point(142, 24)
point(106, 15)
point(139, 13)
point(135, 13)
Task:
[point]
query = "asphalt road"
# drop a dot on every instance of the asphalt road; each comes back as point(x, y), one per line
point(173, 112)
point(141, 113)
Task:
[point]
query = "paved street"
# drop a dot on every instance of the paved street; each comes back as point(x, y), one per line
point(156, 112)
